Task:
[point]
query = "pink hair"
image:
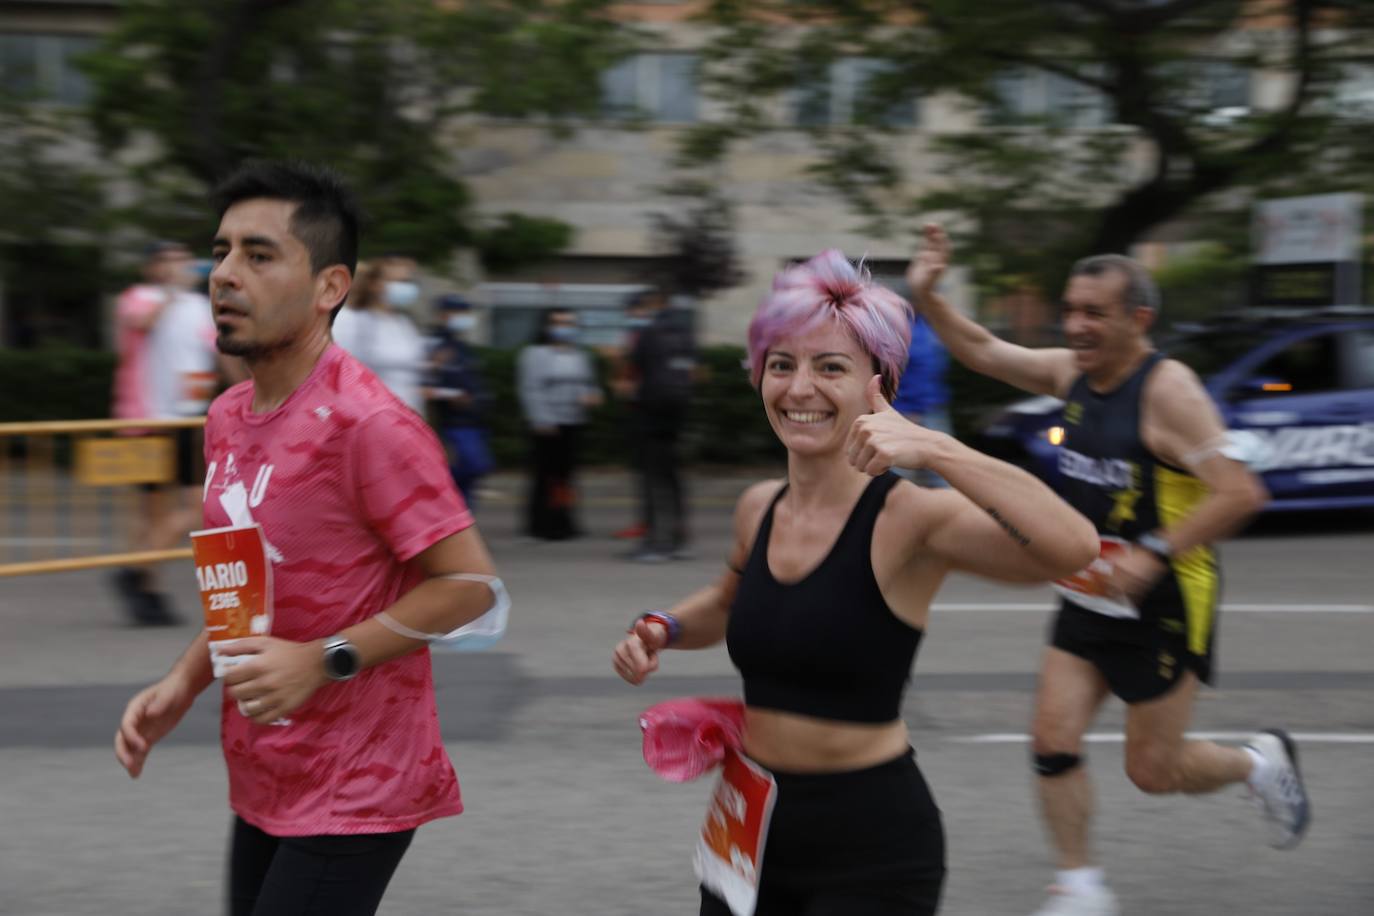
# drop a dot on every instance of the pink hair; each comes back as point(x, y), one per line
point(829, 288)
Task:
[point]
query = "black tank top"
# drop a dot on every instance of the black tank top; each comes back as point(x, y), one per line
point(828, 645)
point(1111, 477)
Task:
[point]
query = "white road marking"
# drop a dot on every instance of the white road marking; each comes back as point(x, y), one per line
point(1118, 738)
point(1017, 607)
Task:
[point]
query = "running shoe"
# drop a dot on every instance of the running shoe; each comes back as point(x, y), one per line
point(1063, 902)
point(1281, 796)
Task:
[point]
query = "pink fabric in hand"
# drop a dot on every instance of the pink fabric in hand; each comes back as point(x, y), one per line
point(688, 737)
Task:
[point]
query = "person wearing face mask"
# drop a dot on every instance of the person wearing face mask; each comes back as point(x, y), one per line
point(625, 383)
point(460, 395)
point(663, 358)
point(557, 385)
point(376, 328)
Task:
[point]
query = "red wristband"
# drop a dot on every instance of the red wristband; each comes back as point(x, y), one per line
point(669, 622)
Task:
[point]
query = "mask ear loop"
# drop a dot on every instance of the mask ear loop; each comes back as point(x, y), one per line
point(500, 604)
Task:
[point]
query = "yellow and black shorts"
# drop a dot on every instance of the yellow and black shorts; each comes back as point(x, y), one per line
point(1141, 659)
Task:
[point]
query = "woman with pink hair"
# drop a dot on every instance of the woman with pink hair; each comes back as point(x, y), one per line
point(824, 600)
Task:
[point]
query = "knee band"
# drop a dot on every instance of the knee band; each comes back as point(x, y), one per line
point(1052, 765)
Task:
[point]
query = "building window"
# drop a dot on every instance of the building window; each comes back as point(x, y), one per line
point(1218, 91)
point(1353, 96)
point(660, 87)
point(1025, 95)
point(840, 95)
point(44, 67)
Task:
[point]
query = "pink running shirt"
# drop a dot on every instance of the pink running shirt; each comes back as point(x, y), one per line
point(131, 343)
point(349, 485)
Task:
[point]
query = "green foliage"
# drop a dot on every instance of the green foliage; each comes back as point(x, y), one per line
point(42, 198)
point(517, 239)
point(373, 89)
point(697, 244)
point(55, 383)
point(1212, 278)
point(1134, 138)
point(726, 424)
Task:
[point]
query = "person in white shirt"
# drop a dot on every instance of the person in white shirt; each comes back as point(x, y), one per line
point(557, 385)
point(375, 328)
point(179, 373)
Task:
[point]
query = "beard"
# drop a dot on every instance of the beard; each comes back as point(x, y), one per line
point(250, 350)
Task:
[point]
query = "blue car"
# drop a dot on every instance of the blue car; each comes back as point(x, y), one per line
point(1296, 389)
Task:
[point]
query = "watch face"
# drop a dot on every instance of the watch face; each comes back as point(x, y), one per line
point(341, 661)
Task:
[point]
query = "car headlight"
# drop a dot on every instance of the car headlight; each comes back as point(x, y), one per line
point(1054, 435)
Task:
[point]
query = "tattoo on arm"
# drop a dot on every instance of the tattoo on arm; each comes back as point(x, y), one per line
point(1009, 528)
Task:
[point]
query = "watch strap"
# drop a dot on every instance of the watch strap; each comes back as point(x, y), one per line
point(1156, 545)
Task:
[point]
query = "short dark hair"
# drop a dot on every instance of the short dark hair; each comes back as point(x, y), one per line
point(326, 216)
point(1140, 290)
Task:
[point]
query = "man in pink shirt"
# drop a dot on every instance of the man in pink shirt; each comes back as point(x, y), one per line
point(328, 725)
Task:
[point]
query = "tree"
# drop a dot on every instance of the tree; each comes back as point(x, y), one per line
point(697, 243)
point(378, 90)
point(49, 205)
point(1096, 121)
point(41, 195)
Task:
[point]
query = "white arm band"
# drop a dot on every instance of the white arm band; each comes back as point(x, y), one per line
point(471, 636)
point(1237, 444)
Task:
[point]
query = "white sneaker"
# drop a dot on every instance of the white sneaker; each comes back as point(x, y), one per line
point(1282, 796)
point(1063, 902)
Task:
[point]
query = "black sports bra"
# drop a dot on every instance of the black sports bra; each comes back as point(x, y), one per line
point(827, 645)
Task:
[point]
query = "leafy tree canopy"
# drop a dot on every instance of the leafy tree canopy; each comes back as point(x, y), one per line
point(376, 89)
point(1086, 124)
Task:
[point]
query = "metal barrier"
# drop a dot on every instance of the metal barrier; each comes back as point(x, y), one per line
point(68, 485)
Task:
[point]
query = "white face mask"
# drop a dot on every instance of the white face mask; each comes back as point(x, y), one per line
point(401, 294)
point(461, 324)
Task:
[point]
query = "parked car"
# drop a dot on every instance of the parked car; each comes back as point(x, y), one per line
point(1296, 389)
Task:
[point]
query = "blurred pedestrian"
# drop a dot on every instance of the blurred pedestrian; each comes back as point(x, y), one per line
point(624, 380)
point(377, 329)
point(557, 385)
point(460, 396)
point(663, 359)
point(922, 393)
point(827, 594)
point(328, 725)
point(167, 369)
point(1147, 458)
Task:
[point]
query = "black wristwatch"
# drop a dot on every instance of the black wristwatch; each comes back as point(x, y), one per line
point(341, 659)
point(1156, 545)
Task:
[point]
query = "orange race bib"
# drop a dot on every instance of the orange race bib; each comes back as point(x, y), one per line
point(197, 391)
point(729, 854)
point(1092, 588)
point(235, 580)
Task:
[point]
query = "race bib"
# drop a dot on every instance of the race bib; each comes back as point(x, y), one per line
point(235, 582)
point(197, 391)
point(729, 854)
point(1092, 588)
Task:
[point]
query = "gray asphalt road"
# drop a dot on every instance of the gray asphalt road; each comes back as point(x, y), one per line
point(563, 816)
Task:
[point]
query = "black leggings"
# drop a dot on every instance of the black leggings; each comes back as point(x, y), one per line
point(862, 843)
point(310, 875)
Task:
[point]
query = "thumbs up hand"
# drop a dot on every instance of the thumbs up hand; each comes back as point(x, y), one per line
point(885, 439)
